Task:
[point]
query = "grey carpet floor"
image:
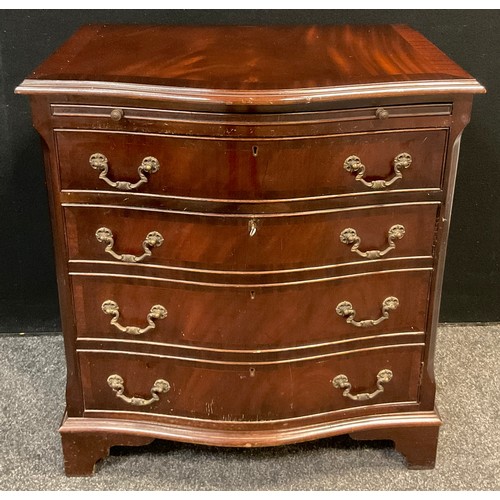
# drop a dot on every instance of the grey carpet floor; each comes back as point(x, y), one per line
point(32, 376)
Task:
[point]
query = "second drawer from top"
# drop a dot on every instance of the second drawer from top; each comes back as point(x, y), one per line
point(250, 243)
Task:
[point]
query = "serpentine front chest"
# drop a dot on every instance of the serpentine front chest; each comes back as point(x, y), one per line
point(250, 228)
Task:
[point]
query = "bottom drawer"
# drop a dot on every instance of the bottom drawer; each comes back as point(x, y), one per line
point(249, 392)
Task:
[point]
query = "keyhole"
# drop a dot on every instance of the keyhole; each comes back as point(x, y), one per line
point(252, 227)
point(252, 294)
point(255, 150)
point(252, 372)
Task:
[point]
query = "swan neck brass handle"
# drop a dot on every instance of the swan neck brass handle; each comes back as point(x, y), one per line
point(117, 384)
point(353, 165)
point(342, 382)
point(345, 309)
point(349, 236)
point(149, 165)
point(105, 235)
point(156, 312)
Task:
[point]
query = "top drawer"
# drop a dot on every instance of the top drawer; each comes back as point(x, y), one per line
point(215, 168)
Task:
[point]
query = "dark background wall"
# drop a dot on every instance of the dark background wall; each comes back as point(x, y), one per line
point(28, 295)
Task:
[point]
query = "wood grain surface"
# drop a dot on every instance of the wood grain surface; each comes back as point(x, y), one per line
point(249, 57)
point(252, 317)
point(225, 244)
point(251, 127)
point(227, 169)
point(222, 391)
point(250, 67)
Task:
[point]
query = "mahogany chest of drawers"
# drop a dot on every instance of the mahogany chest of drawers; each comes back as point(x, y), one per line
point(250, 229)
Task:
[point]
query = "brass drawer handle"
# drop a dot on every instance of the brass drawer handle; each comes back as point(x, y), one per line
point(342, 382)
point(349, 236)
point(105, 235)
point(345, 309)
point(117, 384)
point(156, 312)
point(353, 165)
point(149, 165)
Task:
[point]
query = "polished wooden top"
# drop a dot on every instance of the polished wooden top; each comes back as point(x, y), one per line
point(240, 64)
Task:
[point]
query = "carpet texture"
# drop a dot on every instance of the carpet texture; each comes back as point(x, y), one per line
point(32, 378)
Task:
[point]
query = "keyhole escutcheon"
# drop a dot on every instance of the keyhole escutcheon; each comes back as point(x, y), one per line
point(252, 227)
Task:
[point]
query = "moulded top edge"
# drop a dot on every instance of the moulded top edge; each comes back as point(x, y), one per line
point(227, 97)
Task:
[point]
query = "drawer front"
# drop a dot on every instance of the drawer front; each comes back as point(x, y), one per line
point(228, 169)
point(248, 392)
point(250, 244)
point(250, 317)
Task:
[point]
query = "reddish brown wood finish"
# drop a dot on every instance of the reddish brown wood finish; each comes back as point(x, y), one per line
point(158, 118)
point(251, 341)
point(82, 450)
point(252, 317)
point(418, 444)
point(162, 120)
point(248, 392)
point(248, 57)
point(290, 168)
point(224, 243)
point(106, 427)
